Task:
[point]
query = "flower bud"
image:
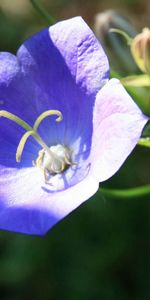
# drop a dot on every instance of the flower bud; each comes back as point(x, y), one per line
point(115, 45)
point(140, 48)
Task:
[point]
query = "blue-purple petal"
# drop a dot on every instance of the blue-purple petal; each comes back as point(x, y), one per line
point(118, 124)
point(59, 68)
point(64, 68)
point(28, 208)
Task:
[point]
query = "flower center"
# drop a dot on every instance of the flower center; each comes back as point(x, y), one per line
point(57, 160)
point(52, 160)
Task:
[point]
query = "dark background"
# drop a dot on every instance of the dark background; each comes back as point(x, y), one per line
point(101, 250)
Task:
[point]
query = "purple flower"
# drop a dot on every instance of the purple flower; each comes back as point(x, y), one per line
point(60, 71)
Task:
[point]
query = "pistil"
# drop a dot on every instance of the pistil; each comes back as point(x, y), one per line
point(31, 131)
point(51, 160)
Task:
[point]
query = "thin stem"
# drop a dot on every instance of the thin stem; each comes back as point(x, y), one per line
point(144, 142)
point(124, 34)
point(127, 193)
point(42, 11)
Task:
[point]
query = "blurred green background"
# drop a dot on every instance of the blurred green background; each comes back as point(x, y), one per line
point(102, 250)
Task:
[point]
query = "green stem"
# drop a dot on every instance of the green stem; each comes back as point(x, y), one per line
point(42, 11)
point(127, 193)
point(144, 142)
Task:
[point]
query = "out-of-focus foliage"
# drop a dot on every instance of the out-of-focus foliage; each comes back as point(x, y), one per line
point(116, 45)
point(100, 251)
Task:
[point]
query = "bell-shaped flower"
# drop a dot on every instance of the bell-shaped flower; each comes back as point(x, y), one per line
point(64, 127)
